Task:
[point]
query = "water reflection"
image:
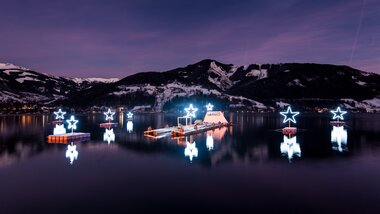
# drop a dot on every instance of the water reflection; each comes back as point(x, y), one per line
point(109, 136)
point(289, 147)
point(191, 150)
point(72, 152)
point(129, 126)
point(210, 142)
point(339, 139)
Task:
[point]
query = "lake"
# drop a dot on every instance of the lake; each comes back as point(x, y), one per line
point(249, 167)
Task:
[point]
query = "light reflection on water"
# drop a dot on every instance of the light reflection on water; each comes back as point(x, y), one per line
point(247, 156)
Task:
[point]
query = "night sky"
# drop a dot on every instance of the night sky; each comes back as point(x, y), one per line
point(104, 38)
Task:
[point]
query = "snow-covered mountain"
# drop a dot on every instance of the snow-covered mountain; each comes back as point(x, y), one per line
point(254, 87)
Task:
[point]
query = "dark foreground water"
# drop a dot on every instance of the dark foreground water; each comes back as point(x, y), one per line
point(247, 168)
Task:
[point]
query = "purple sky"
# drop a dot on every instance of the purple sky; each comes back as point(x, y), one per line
point(104, 38)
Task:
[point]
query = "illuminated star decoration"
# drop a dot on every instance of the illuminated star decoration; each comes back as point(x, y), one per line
point(209, 107)
point(289, 115)
point(129, 115)
point(109, 114)
point(191, 111)
point(338, 114)
point(59, 114)
point(72, 123)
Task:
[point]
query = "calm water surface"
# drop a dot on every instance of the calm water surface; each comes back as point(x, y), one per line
point(246, 168)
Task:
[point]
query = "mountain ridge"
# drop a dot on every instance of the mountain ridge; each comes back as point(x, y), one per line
point(257, 87)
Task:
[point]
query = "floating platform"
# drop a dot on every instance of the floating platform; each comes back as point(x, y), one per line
point(69, 137)
point(108, 125)
point(289, 130)
point(337, 123)
point(188, 130)
point(58, 122)
point(157, 132)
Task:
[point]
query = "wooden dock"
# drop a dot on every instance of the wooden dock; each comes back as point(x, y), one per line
point(162, 131)
point(193, 129)
point(69, 137)
point(108, 125)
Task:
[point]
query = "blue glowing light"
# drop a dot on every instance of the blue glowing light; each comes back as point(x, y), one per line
point(289, 115)
point(191, 111)
point(209, 107)
point(59, 114)
point(109, 114)
point(72, 123)
point(338, 114)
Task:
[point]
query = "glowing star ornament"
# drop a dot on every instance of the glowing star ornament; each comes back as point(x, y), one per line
point(72, 153)
point(129, 115)
point(72, 123)
point(109, 115)
point(338, 114)
point(191, 111)
point(289, 115)
point(209, 107)
point(59, 115)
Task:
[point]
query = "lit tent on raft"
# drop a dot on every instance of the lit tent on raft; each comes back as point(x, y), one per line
point(215, 117)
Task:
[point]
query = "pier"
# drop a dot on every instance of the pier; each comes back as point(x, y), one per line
point(69, 137)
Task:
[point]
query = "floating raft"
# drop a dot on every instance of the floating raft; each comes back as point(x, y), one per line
point(188, 130)
point(108, 125)
point(162, 131)
point(69, 137)
point(289, 130)
point(337, 123)
point(57, 122)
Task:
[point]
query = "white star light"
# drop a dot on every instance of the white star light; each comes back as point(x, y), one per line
point(59, 114)
point(72, 123)
point(191, 111)
point(109, 114)
point(129, 115)
point(209, 107)
point(338, 114)
point(289, 115)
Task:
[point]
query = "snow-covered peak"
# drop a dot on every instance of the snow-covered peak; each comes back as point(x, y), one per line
point(8, 66)
point(95, 79)
point(221, 80)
